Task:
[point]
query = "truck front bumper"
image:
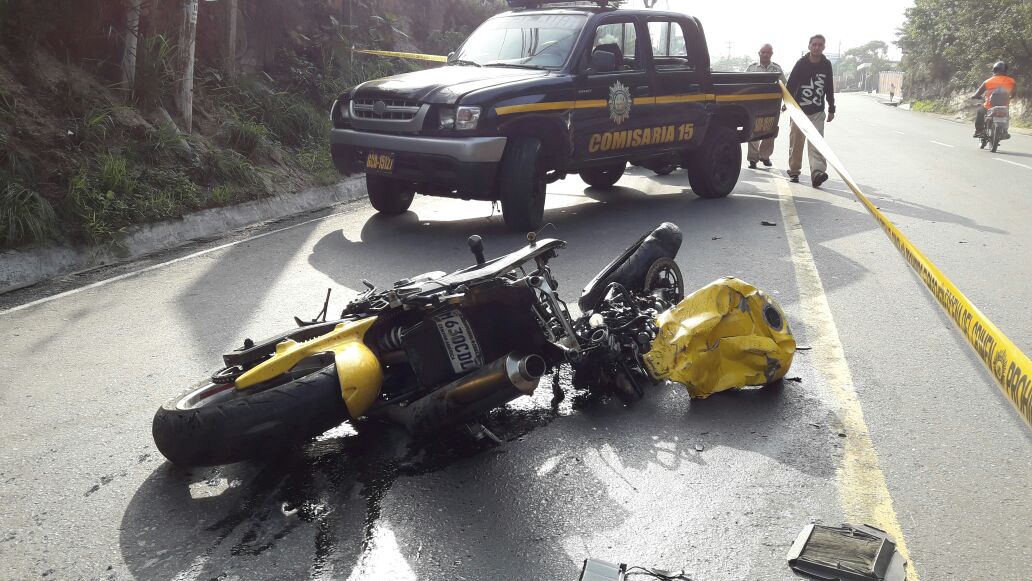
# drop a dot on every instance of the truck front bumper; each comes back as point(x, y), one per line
point(463, 164)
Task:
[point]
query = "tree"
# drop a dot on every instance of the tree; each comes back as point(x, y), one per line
point(950, 45)
point(187, 46)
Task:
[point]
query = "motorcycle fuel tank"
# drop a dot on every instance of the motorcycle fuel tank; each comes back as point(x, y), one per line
point(726, 334)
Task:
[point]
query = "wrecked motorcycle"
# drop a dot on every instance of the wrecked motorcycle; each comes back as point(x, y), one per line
point(442, 350)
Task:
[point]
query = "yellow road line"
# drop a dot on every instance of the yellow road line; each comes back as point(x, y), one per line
point(863, 492)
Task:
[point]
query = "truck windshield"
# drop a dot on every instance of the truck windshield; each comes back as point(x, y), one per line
point(524, 40)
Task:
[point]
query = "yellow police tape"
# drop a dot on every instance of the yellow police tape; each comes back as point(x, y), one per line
point(1011, 368)
point(405, 55)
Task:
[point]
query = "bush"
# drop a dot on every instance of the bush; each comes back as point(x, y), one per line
point(25, 216)
point(247, 137)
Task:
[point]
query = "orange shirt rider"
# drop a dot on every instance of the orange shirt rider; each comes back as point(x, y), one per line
point(994, 83)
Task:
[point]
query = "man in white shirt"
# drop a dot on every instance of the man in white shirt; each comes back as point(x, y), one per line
point(761, 150)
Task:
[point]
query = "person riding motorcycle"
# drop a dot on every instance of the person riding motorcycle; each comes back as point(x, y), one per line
point(998, 82)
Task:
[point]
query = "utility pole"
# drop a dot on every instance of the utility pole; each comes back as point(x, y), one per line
point(132, 37)
point(231, 64)
point(187, 47)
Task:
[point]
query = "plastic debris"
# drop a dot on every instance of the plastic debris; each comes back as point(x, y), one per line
point(846, 553)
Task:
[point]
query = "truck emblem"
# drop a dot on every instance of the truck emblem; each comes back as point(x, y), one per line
point(619, 102)
point(379, 108)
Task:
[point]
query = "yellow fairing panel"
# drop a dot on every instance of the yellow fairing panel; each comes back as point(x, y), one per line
point(726, 334)
point(358, 368)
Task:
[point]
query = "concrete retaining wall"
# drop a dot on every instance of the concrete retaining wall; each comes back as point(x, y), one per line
point(31, 265)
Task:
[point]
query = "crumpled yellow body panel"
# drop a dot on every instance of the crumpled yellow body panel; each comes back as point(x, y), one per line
point(726, 334)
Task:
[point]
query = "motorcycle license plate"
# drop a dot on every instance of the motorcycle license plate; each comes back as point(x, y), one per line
point(459, 342)
point(380, 162)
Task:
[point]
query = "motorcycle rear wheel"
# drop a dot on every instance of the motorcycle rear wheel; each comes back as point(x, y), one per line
point(211, 424)
point(664, 279)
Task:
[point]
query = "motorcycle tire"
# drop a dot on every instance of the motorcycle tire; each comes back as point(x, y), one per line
point(521, 185)
point(713, 170)
point(995, 136)
point(603, 177)
point(389, 195)
point(232, 426)
point(664, 277)
point(631, 268)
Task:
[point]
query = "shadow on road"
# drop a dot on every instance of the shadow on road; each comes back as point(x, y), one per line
point(467, 507)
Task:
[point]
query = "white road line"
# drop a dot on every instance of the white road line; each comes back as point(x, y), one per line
point(941, 143)
point(157, 266)
point(863, 491)
point(900, 132)
point(1012, 162)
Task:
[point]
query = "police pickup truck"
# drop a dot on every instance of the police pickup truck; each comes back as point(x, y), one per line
point(549, 89)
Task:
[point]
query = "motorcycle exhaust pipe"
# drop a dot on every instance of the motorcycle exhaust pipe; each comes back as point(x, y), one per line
point(472, 395)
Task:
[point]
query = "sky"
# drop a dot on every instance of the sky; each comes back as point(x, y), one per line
point(788, 24)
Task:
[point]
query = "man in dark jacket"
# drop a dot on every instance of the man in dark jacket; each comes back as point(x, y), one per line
point(811, 84)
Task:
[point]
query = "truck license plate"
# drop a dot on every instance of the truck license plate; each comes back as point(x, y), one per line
point(379, 162)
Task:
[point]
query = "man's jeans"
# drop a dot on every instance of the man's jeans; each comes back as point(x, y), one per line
point(796, 142)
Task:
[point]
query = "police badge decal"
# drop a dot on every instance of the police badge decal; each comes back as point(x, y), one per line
point(619, 102)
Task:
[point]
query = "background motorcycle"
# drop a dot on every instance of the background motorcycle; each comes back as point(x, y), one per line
point(432, 352)
point(996, 126)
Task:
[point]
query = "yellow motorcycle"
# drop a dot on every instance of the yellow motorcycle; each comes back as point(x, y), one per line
point(442, 350)
point(432, 352)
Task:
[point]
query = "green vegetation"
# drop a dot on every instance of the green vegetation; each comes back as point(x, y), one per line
point(24, 214)
point(931, 106)
point(84, 154)
point(951, 45)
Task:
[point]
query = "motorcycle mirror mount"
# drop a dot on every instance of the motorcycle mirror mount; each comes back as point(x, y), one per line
point(476, 246)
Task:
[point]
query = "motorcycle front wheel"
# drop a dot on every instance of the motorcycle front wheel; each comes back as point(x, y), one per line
point(215, 423)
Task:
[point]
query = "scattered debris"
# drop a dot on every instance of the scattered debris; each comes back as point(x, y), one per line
point(798, 348)
point(842, 434)
point(795, 379)
point(766, 223)
point(715, 238)
point(846, 553)
point(699, 448)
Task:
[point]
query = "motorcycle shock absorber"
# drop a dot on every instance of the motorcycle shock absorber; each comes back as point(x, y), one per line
point(392, 339)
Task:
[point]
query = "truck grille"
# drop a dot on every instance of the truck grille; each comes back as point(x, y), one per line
point(386, 109)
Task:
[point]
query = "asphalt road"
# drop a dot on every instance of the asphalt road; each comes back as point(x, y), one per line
point(892, 419)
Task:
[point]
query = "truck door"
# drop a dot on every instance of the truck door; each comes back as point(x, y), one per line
point(610, 114)
point(680, 99)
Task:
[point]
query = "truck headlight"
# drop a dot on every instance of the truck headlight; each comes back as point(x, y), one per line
point(467, 117)
point(461, 118)
point(446, 118)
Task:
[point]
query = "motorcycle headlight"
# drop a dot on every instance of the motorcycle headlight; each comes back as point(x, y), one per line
point(467, 117)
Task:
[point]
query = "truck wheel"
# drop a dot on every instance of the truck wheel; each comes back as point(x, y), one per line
point(603, 177)
point(389, 195)
point(521, 185)
point(713, 170)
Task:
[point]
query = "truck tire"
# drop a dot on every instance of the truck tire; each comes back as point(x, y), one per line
point(713, 170)
point(603, 177)
point(389, 195)
point(521, 185)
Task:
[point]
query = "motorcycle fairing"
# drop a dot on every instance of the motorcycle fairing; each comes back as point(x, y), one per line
point(358, 369)
point(726, 334)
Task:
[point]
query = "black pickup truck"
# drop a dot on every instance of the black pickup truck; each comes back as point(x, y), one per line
point(550, 89)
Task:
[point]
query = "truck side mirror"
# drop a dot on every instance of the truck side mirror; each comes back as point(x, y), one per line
point(602, 62)
point(451, 56)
